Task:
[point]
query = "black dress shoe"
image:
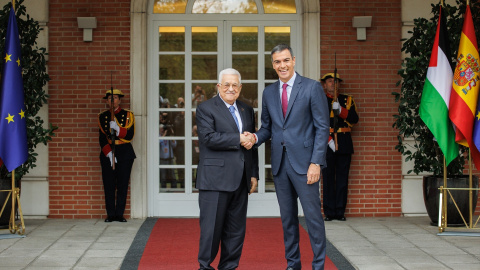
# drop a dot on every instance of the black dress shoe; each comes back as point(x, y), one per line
point(121, 219)
point(342, 218)
point(109, 219)
point(327, 218)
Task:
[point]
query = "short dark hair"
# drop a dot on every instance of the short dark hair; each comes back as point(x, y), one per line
point(280, 48)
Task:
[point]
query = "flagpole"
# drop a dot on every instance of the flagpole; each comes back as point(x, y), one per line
point(13, 4)
point(12, 215)
point(470, 187)
point(444, 197)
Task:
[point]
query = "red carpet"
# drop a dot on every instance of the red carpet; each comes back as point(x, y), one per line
point(173, 244)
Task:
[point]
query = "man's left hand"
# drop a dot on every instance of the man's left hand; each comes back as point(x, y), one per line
point(254, 183)
point(313, 174)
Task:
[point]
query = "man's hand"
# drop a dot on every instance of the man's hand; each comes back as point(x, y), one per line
point(247, 140)
point(254, 183)
point(110, 155)
point(313, 174)
point(331, 144)
point(114, 125)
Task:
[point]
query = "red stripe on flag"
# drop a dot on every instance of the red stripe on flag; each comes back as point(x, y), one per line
point(468, 28)
point(462, 116)
point(434, 55)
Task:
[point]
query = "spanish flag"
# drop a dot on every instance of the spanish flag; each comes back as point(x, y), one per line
point(465, 88)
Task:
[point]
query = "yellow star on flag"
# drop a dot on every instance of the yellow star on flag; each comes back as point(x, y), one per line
point(18, 61)
point(22, 114)
point(478, 115)
point(9, 118)
point(7, 58)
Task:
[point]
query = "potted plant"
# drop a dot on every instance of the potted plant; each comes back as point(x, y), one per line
point(415, 141)
point(35, 77)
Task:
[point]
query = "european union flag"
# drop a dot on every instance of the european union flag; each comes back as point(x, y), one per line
point(13, 125)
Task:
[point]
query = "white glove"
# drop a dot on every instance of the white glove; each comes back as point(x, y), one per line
point(110, 155)
point(115, 126)
point(331, 144)
point(336, 108)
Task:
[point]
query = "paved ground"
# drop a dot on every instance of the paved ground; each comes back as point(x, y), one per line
point(402, 243)
point(367, 243)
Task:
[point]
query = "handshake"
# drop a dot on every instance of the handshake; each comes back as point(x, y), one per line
point(247, 140)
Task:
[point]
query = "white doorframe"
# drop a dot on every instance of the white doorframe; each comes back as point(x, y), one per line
point(141, 10)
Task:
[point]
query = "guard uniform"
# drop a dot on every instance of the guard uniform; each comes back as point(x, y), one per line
point(115, 182)
point(335, 175)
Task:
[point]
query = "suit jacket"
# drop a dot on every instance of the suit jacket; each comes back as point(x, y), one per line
point(123, 148)
point(346, 119)
point(222, 158)
point(303, 132)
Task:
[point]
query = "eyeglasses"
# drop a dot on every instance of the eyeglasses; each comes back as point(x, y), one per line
point(227, 86)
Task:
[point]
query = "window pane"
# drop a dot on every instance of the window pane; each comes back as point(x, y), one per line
point(170, 180)
point(171, 38)
point(269, 185)
point(268, 152)
point(194, 179)
point(270, 73)
point(172, 67)
point(249, 94)
point(204, 67)
point(224, 6)
point(244, 39)
point(275, 36)
point(172, 95)
point(204, 39)
point(247, 65)
point(166, 128)
point(179, 131)
point(279, 6)
point(202, 92)
point(169, 6)
point(195, 150)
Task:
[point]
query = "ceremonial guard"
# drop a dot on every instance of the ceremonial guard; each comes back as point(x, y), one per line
point(343, 116)
point(117, 128)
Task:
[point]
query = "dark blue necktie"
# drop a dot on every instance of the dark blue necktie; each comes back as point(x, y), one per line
point(232, 111)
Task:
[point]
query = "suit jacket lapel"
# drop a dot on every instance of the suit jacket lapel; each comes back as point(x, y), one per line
point(278, 98)
point(223, 110)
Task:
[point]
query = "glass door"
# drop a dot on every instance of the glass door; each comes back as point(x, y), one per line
point(185, 59)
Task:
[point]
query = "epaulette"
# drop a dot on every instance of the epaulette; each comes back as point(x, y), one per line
point(100, 113)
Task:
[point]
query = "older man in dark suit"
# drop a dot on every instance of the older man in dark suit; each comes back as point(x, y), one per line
point(227, 172)
point(295, 116)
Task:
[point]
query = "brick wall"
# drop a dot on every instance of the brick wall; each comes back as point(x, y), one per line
point(369, 70)
point(80, 73)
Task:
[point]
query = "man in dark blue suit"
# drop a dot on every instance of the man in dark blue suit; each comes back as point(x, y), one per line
point(295, 116)
point(227, 172)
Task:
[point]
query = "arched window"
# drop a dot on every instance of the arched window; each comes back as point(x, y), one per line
point(226, 6)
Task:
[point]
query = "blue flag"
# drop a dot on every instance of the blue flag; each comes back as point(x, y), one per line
point(13, 125)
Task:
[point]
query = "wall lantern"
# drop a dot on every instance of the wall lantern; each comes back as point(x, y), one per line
point(361, 23)
point(87, 24)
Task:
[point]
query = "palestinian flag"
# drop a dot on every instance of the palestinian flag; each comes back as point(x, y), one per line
point(436, 93)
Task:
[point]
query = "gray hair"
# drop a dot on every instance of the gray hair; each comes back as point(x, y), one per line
point(280, 48)
point(229, 71)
